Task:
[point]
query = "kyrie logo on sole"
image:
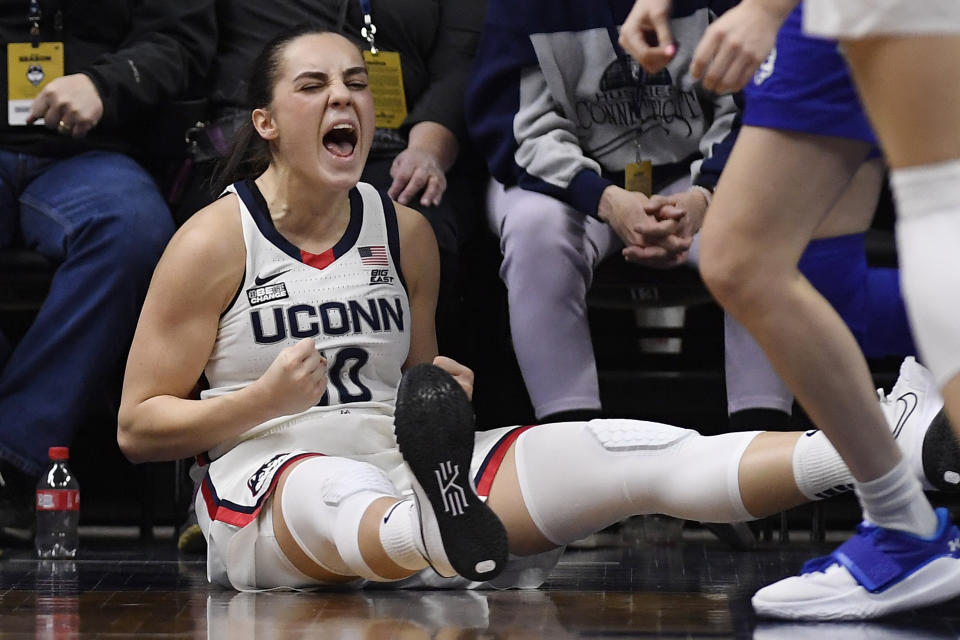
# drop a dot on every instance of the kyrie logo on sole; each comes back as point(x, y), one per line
point(454, 497)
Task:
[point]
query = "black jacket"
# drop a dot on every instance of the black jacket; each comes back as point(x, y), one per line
point(140, 55)
point(436, 40)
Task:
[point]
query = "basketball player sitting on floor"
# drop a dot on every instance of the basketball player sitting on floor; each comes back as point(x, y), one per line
point(301, 295)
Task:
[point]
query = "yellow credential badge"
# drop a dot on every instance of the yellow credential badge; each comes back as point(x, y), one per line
point(638, 176)
point(29, 69)
point(386, 83)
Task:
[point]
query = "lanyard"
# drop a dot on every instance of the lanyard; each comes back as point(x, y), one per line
point(33, 17)
point(631, 69)
point(631, 66)
point(368, 30)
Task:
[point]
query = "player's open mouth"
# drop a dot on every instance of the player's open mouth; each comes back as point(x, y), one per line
point(341, 140)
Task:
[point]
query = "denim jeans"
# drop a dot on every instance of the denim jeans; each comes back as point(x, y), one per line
point(101, 218)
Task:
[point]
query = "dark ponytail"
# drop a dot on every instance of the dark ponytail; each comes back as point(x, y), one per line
point(249, 154)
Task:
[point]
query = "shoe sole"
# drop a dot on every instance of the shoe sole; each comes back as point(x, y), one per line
point(935, 582)
point(435, 433)
point(941, 455)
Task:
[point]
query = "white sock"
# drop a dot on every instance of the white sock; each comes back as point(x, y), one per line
point(895, 500)
point(818, 469)
point(400, 536)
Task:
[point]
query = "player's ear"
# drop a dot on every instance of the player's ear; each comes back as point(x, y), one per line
point(264, 123)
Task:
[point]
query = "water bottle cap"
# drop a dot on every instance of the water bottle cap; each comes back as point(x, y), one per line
point(59, 453)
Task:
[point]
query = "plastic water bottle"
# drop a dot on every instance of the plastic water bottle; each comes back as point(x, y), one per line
point(58, 508)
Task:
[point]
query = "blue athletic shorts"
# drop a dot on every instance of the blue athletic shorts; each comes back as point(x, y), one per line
point(804, 86)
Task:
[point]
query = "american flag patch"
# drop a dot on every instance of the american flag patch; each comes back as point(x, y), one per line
point(374, 256)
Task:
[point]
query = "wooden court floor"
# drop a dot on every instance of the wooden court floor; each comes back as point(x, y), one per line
point(697, 587)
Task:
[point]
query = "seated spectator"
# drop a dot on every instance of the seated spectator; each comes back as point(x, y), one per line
point(563, 129)
point(86, 79)
point(579, 141)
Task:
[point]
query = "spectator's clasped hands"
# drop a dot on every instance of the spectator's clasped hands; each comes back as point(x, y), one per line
point(657, 231)
point(69, 105)
point(688, 210)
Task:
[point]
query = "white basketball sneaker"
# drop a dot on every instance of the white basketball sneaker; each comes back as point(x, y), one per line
point(914, 411)
point(876, 572)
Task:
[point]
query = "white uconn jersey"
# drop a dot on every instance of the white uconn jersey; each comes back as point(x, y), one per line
point(351, 300)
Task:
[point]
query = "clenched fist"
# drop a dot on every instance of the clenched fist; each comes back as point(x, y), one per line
point(296, 379)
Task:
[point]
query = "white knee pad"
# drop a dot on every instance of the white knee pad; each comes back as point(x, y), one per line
point(928, 234)
point(636, 435)
point(323, 501)
point(579, 477)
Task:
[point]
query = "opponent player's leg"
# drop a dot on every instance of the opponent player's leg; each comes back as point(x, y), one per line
point(919, 126)
point(891, 497)
point(868, 300)
point(549, 253)
point(761, 219)
point(835, 262)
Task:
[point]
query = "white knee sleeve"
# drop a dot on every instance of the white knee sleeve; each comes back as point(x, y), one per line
point(578, 477)
point(928, 235)
point(323, 501)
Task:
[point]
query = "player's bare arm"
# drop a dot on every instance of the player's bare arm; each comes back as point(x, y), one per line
point(193, 284)
point(420, 262)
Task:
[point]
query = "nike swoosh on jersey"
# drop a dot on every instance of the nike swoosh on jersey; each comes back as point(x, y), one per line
point(264, 280)
point(909, 403)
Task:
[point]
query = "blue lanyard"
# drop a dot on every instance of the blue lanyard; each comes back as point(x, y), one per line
point(368, 30)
